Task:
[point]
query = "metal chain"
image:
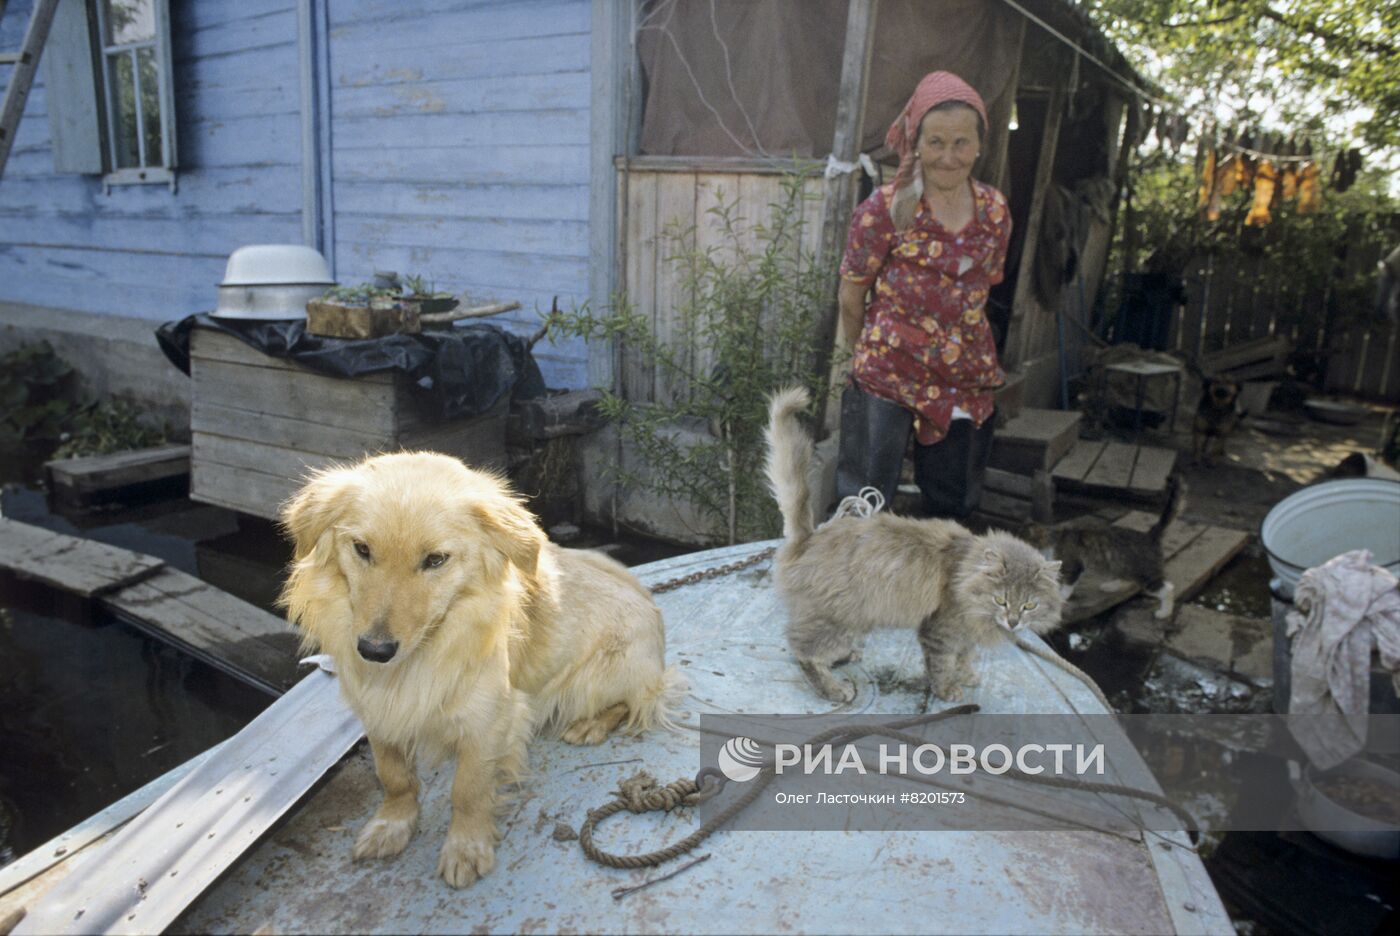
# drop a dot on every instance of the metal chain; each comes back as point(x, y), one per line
point(715, 572)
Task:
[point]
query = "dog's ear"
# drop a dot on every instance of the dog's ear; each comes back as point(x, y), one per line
point(314, 509)
point(513, 531)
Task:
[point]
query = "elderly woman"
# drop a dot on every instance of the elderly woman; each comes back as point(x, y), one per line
point(926, 250)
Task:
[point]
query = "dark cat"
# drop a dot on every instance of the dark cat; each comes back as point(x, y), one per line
point(1093, 543)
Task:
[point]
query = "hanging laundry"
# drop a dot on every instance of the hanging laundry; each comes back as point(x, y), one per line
point(1265, 182)
point(1227, 175)
point(1309, 188)
point(1344, 170)
point(1244, 171)
point(1181, 129)
point(1289, 181)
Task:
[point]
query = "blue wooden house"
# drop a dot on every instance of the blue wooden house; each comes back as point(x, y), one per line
point(451, 138)
point(484, 143)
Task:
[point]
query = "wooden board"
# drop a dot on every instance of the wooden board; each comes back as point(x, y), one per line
point(1005, 506)
point(82, 566)
point(1035, 440)
point(1115, 469)
point(260, 424)
point(250, 492)
point(98, 473)
point(1192, 567)
point(1075, 465)
point(227, 632)
point(1194, 553)
point(1152, 468)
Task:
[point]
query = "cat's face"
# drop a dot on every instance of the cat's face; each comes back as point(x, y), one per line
point(1018, 589)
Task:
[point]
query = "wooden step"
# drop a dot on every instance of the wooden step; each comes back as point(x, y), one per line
point(1035, 440)
point(1115, 469)
point(1194, 553)
point(88, 478)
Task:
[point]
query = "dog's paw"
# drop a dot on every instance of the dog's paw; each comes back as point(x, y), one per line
point(1163, 612)
point(462, 861)
point(384, 838)
point(585, 731)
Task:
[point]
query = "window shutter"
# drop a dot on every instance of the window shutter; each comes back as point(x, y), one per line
point(70, 90)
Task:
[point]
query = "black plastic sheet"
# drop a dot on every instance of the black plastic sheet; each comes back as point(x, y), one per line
point(454, 372)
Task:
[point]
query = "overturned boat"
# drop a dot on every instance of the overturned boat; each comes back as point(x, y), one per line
point(256, 834)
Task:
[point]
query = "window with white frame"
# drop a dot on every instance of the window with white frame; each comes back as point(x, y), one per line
point(111, 100)
point(135, 61)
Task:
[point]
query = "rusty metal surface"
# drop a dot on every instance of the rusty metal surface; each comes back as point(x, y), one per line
point(727, 636)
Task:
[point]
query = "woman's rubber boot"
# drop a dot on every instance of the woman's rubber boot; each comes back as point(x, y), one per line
point(874, 434)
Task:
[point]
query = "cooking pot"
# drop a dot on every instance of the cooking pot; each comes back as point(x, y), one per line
point(272, 281)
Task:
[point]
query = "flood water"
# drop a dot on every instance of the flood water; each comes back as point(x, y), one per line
point(92, 709)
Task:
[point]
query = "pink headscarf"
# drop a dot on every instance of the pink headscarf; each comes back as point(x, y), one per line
point(936, 88)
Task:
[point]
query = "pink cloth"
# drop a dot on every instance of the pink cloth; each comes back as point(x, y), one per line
point(936, 88)
point(1345, 608)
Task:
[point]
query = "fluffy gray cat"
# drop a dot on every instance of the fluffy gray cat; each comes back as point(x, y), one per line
point(854, 574)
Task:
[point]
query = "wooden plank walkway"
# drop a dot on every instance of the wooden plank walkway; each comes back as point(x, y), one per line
point(243, 640)
point(1194, 552)
point(81, 566)
point(81, 479)
point(1115, 468)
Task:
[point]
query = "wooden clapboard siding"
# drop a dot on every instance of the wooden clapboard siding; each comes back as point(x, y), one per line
point(674, 209)
point(460, 134)
point(143, 250)
point(461, 152)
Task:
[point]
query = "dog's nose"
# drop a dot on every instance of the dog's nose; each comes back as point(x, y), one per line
point(378, 651)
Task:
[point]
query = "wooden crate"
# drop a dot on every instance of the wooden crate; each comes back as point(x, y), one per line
point(1034, 440)
point(259, 423)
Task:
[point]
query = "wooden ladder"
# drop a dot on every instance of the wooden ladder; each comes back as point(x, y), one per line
point(24, 62)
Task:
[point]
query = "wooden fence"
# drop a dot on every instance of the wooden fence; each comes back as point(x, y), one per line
point(662, 197)
point(1248, 300)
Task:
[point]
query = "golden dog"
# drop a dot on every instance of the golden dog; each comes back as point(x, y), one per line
point(457, 629)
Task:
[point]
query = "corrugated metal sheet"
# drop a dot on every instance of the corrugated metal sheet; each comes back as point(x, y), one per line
point(149, 871)
point(727, 635)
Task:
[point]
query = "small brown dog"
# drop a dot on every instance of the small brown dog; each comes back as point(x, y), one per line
point(457, 629)
point(1217, 415)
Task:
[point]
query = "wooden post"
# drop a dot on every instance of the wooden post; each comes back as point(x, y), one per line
point(995, 166)
point(613, 107)
point(840, 189)
point(1019, 333)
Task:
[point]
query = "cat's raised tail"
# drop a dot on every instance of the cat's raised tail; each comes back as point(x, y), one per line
point(790, 463)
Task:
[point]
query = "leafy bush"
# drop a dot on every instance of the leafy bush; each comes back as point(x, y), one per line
point(42, 407)
point(746, 325)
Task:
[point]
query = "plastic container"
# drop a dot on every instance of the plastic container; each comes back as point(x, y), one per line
point(1325, 520)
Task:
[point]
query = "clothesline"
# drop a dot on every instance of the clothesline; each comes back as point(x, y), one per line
point(1151, 98)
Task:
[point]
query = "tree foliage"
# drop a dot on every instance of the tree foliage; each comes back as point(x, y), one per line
point(1284, 65)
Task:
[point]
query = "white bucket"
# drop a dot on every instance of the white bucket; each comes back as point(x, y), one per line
point(1306, 529)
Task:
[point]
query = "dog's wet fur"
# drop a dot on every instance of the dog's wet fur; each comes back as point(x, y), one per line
point(458, 630)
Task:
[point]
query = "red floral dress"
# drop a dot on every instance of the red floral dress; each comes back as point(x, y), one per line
point(926, 343)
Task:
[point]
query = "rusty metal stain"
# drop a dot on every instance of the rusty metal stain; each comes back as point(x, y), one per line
point(301, 878)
